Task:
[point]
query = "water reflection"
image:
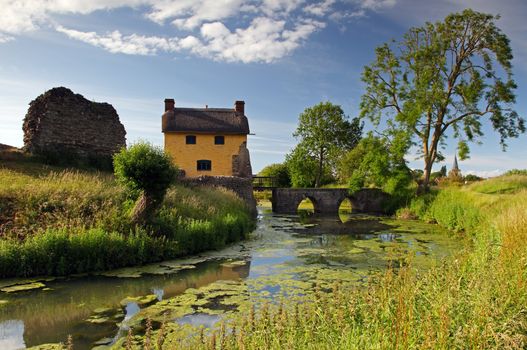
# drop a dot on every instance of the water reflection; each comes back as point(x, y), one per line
point(283, 250)
point(12, 334)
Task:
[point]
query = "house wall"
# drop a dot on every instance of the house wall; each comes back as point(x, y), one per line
point(186, 156)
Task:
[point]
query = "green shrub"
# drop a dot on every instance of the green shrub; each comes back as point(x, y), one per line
point(516, 172)
point(144, 167)
point(63, 252)
point(146, 171)
point(280, 172)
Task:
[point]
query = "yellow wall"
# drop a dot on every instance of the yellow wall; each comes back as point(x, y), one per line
point(186, 156)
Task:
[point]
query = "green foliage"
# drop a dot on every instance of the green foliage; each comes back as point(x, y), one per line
point(375, 162)
point(63, 252)
point(472, 178)
point(444, 77)
point(67, 158)
point(144, 167)
point(501, 184)
point(64, 222)
point(456, 210)
point(443, 172)
point(302, 168)
point(516, 172)
point(325, 133)
point(278, 171)
point(463, 151)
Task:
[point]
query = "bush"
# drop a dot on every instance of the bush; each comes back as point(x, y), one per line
point(146, 171)
point(144, 167)
point(278, 171)
point(516, 172)
point(472, 178)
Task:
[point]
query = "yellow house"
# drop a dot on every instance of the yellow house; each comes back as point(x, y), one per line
point(207, 141)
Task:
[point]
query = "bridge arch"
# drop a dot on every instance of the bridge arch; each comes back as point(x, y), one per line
point(328, 200)
point(312, 199)
point(344, 199)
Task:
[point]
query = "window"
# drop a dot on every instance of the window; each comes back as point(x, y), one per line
point(204, 165)
point(219, 140)
point(191, 139)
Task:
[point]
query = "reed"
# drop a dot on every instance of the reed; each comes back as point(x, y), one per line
point(474, 299)
point(59, 222)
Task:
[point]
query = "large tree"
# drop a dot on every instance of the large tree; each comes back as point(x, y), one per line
point(325, 133)
point(443, 79)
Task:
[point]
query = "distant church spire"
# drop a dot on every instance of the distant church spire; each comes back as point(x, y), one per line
point(455, 166)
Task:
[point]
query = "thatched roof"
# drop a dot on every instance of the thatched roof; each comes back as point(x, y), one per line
point(205, 120)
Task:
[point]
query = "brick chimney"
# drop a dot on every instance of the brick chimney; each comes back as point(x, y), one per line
point(169, 104)
point(239, 106)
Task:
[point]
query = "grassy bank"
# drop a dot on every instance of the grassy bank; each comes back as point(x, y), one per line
point(58, 221)
point(476, 299)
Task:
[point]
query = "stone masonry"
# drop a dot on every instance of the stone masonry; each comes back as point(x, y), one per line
point(241, 163)
point(62, 122)
point(328, 200)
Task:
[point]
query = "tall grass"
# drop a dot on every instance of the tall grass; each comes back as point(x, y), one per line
point(68, 221)
point(476, 299)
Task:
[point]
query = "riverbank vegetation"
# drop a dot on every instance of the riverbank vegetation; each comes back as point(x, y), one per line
point(58, 221)
point(475, 298)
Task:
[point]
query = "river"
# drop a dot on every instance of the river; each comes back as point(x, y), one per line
point(284, 256)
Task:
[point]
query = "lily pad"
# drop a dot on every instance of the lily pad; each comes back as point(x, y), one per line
point(140, 301)
point(23, 287)
point(103, 341)
point(103, 310)
point(98, 319)
point(234, 263)
point(54, 346)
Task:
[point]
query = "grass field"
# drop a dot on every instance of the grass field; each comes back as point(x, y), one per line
point(62, 221)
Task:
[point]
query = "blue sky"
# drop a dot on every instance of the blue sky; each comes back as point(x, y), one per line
point(279, 56)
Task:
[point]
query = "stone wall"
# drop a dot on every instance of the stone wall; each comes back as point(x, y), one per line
point(241, 186)
point(328, 200)
point(241, 163)
point(64, 123)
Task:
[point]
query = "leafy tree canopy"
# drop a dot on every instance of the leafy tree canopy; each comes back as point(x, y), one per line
point(376, 161)
point(444, 76)
point(303, 168)
point(325, 133)
point(278, 171)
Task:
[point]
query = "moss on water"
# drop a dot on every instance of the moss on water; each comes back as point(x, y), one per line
point(23, 287)
point(141, 301)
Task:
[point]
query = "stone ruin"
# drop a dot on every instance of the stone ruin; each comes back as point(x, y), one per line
point(241, 163)
point(64, 124)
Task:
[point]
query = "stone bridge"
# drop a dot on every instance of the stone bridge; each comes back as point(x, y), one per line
point(328, 200)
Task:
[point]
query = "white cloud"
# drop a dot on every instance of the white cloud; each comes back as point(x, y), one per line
point(376, 4)
point(27, 15)
point(319, 9)
point(485, 173)
point(4, 38)
point(264, 40)
point(190, 14)
point(228, 30)
point(115, 42)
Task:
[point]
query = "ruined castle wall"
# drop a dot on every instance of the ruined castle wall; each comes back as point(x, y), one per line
point(62, 122)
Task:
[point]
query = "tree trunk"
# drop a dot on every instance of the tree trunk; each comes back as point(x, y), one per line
point(145, 207)
point(425, 185)
point(319, 174)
